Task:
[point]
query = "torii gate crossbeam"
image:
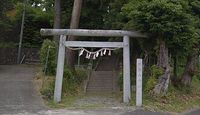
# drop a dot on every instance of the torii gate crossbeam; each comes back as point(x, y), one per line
point(84, 32)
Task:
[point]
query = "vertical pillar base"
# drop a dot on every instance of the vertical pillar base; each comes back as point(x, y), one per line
point(60, 69)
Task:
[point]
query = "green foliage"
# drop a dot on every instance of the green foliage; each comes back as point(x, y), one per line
point(113, 18)
point(153, 79)
point(47, 90)
point(8, 45)
point(51, 64)
point(176, 100)
point(5, 23)
point(81, 75)
point(35, 19)
point(156, 71)
point(158, 16)
point(120, 81)
point(133, 78)
point(92, 14)
point(173, 20)
point(72, 81)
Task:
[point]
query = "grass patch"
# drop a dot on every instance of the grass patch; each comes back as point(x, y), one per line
point(45, 85)
point(176, 101)
point(91, 101)
point(67, 101)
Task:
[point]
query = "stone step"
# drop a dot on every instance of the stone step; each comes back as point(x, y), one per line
point(107, 63)
point(99, 85)
point(101, 78)
point(101, 81)
point(100, 89)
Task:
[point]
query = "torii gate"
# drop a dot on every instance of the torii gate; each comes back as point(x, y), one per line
point(103, 33)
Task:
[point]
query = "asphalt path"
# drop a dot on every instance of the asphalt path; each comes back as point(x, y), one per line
point(17, 92)
point(19, 97)
point(193, 112)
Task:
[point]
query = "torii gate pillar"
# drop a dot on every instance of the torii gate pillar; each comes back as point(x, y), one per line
point(103, 33)
point(126, 70)
point(60, 69)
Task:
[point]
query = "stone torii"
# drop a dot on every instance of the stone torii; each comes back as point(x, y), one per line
point(85, 32)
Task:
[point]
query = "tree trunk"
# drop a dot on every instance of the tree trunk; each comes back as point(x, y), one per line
point(189, 71)
point(57, 18)
point(163, 62)
point(174, 79)
point(73, 25)
point(175, 66)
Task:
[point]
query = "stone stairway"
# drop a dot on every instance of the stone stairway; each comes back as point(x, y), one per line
point(104, 78)
point(108, 63)
point(101, 81)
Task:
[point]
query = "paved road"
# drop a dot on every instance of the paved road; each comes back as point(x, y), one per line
point(194, 112)
point(17, 93)
point(18, 97)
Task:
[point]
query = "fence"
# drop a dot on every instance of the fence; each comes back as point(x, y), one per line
point(9, 55)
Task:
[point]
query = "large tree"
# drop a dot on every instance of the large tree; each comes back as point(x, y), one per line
point(193, 32)
point(57, 17)
point(75, 18)
point(165, 20)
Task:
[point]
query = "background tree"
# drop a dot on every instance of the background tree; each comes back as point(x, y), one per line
point(74, 24)
point(165, 20)
point(86, 14)
point(194, 32)
point(5, 23)
point(57, 17)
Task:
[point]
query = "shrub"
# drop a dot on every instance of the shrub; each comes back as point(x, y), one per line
point(153, 79)
point(51, 63)
point(73, 80)
point(150, 84)
point(132, 77)
point(47, 90)
point(120, 81)
point(81, 75)
point(156, 71)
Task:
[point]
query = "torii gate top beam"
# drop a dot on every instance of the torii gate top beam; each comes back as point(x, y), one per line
point(86, 32)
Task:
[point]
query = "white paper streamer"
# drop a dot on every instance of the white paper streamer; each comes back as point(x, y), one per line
point(101, 53)
point(94, 57)
point(97, 54)
point(104, 52)
point(87, 56)
point(81, 52)
point(109, 53)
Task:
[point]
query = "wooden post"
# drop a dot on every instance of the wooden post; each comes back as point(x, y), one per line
point(60, 68)
point(139, 83)
point(126, 70)
point(21, 34)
